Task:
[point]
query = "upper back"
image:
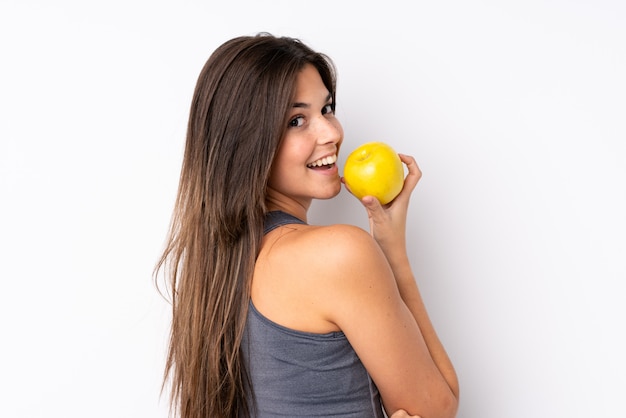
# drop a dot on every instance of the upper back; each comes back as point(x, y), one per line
point(291, 273)
point(299, 363)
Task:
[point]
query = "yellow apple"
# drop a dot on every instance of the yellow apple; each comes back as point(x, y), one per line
point(374, 169)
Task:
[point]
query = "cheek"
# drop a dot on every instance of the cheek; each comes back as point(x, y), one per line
point(276, 173)
point(295, 150)
point(282, 169)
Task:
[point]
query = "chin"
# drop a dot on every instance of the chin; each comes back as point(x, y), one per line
point(330, 194)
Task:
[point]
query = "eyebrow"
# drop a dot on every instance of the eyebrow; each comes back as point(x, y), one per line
point(307, 105)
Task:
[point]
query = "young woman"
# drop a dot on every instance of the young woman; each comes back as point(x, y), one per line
point(273, 317)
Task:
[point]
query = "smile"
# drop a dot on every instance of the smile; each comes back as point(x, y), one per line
point(326, 161)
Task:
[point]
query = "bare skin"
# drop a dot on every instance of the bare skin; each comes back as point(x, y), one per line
point(329, 278)
point(403, 414)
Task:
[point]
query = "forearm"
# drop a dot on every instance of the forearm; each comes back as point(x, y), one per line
point(388, 228)
point(409, 291)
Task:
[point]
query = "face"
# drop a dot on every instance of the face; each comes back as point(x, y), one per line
point(304, 167)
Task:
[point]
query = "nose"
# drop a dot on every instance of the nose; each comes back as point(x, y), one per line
point(329, 130)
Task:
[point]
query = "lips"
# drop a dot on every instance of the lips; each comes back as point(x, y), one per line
point(326, 161)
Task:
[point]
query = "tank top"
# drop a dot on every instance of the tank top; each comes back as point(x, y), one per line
point(302, 374)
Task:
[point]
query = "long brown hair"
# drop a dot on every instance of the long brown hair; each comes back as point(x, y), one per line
point(237, 119)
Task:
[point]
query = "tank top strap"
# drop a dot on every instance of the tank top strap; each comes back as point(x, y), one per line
point(277, 218)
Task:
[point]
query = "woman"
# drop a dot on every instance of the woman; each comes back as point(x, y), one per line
point(272, 316)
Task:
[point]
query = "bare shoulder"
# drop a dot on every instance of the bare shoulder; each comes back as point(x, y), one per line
point(304, 272)
point(337, 241)
point(348, 266)
point(340, 242)
point(346, 255)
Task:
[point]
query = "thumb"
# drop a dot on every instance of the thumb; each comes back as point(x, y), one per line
point(374, 211)
point(372, 205)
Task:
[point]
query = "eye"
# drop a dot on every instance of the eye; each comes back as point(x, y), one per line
point(296, 122)
point(329, 108)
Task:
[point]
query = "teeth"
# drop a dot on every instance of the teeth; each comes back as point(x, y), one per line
point(323, 161)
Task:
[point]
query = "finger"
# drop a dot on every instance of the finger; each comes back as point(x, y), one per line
point(414, 173)
point(372, 204)
point(374, 211)
point(373, 207)
point(400, 413)
point(411, 164)
point(343, 181)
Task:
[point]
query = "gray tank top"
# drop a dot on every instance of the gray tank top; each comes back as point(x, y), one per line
point(302, 374)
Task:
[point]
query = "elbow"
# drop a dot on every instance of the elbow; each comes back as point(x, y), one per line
point(450, 402)
point(439, 402)
point(444, 407)
point(449, 405)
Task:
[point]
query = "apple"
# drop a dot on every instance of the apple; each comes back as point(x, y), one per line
point(374, 169)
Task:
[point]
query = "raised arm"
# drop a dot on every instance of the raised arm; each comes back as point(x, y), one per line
point(386, 320)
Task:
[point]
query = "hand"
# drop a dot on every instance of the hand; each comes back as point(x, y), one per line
point(388, 223)
point(401, 413)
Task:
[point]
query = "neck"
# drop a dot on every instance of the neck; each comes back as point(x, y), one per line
point(297, 208)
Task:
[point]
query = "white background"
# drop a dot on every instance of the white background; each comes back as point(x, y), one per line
point(515, 112)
